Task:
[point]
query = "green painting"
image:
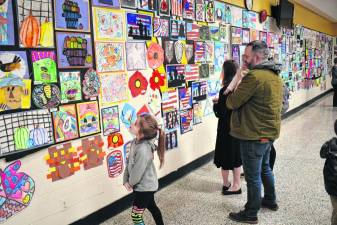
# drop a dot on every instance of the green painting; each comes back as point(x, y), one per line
point(44, 66)
point(70, 86)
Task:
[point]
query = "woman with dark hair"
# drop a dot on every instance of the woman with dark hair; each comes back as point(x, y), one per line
point(334, 82)
point(227, 151)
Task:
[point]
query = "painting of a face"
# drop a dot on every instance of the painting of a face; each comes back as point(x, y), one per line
point(13, 96)
point(89, 123)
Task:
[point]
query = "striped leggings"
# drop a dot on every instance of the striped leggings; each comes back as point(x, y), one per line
point(142, 201)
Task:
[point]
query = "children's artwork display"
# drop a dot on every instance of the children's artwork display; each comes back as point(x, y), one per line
point(164, 7)
point(128, 115)
point(25, 131)
point(161, 27)
point(189, 52)
point(224, 33)
point(106, 3)
point(155, 55)
point(138, 84)
point(263, 36)
point(44, 66)
point(15, 63)
point(109, 24)
point(204, 71)
point(199, 91)
point(170, 100)
point(249, 19)
point(192, 31)
point(175, 75)
point(88, 118)
point(70, 86)
point(91, 84)
point(135, 55)
point(72, 15)
point(154, 103)
point(17, 190)
point(200, 12)
point(236, 53)
point(115, 140)
point(186, 121)
point(178, 30)
point(65, 123)
point(114, 88)
point(139, 26)
point(7, 24)
point(220, 55)
point(204, 33)
point(245, 36)
point(35, 23)
point(74, 50)
point(91, 152)
point(109, 56)
point(220, 8)
point(128, 3)
point(254, 35)
point(236, 16)
point(213, 88)
point(149, 5)
point(171, 140)
point(46, 96)
point(188, 9)
point(210, 11)
point(171, 120)
point(191, 72)
point(185, 98)
point(236, 35)
point(197, 113)
point(200, 52)
point(209, 51)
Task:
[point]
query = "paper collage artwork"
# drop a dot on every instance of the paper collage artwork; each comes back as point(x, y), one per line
point(113, 88)
point(17, 191)
point(109, 24)
point(91, 152)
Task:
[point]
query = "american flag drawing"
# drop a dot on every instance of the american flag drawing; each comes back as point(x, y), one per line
point(191, 72)
point(169, 100)
point(192, 31)
point(185, 98)
point(186, 121)
point(115, 163)
point(188, 9)
point(199, 47)
point(175, 28)
point(177, 7)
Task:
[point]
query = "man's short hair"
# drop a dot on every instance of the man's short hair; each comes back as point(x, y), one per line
point(261, 47)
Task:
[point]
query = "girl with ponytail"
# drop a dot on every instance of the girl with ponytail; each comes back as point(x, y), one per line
point(140, 173)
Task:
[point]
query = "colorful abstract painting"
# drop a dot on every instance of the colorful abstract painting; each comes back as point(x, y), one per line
point(249, 19)
point(88, 118)
point(115, 163)
point(17, 191)
point(135, 55)
point(72, 15)
point(186, 121)
point(65, 123)
point(115, 140)
point(109, 24)
point(110, 120)
point(70, 83)
point(44, 66)
point(161, 27)
point(109, 57)
point(46, 96)
point(139, 26)
point(63, 161)
point(74, 50)
point(91, 84)
point(114, 88)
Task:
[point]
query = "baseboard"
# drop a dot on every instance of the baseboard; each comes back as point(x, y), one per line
point(124, 203)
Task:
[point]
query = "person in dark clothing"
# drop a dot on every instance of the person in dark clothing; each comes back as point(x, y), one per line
point(334, 82)
point(329, 152)
point(227, 152)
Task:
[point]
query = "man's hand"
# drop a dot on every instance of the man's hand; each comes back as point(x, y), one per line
point(128, 187)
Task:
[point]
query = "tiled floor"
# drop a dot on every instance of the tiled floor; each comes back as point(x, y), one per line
point(196, 199)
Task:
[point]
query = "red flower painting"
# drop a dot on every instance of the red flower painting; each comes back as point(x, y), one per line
point(137, 84)
point(157, 80)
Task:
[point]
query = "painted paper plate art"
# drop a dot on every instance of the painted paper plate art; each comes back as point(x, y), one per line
point(46, 96)
point(155, 55)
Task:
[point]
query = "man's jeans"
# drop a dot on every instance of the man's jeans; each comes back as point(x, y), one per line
point(255, 160)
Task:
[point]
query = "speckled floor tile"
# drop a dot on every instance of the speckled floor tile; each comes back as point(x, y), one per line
point(196, 199)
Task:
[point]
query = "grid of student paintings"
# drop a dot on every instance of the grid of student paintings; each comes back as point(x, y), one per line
point(76, 68)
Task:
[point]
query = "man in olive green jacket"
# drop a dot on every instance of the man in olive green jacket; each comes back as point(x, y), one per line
point(255, 121)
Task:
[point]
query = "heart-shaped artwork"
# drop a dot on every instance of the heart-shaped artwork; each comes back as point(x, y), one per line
point(179, 50)
point(189, 53)
point(16, 191)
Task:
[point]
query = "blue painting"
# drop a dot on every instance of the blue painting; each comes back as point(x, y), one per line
point(7, 25)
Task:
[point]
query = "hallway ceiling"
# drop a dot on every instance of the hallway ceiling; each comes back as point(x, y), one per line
point(326, 8)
